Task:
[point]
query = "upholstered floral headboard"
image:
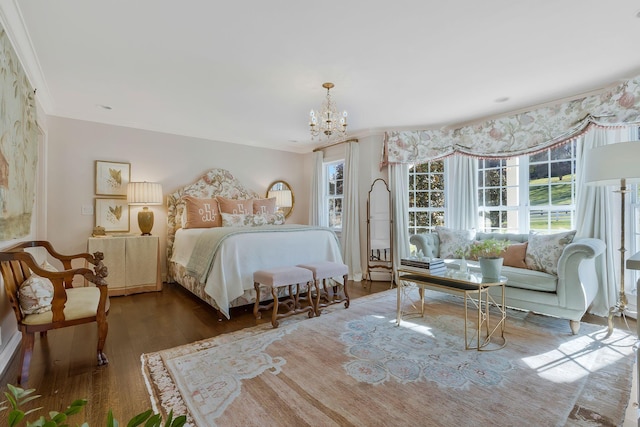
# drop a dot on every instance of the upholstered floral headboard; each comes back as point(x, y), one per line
point(216, 182)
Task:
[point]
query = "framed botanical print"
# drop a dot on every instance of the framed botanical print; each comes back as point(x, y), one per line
point(112, 214)
point(112, 178)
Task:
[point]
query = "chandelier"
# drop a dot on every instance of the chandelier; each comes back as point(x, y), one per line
point(327, 121)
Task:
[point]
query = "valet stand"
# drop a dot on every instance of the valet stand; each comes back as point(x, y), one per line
point(615, 164)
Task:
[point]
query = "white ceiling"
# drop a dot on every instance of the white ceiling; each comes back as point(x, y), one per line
point(249, 71)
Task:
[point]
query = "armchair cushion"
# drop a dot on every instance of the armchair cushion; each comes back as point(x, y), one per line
point(81, 303)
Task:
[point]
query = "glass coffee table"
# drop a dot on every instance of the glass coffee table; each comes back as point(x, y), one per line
point(475, 290)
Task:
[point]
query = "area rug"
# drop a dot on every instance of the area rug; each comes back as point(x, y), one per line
point(355, 367)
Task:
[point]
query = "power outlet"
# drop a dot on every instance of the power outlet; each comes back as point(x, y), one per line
point(86, 210)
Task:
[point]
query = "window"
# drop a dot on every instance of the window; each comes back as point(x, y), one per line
point(527, 193)
point(334, 193)
point(426, 196)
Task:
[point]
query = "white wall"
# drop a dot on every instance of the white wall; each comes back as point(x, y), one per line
point(171, 160)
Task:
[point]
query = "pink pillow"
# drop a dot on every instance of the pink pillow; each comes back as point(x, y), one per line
point(235, 206)
point(514, 255)
point(201, 213)
point(264, 206)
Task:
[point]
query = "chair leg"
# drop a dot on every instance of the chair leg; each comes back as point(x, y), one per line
point(25, 356)
point(346, 293)
point(103, 329)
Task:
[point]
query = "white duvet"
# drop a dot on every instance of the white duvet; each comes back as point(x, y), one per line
point(241, 254)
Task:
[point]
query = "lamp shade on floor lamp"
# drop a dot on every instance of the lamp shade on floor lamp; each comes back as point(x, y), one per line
point(144, 194)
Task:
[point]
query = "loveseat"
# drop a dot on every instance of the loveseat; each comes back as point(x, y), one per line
point(565, 290)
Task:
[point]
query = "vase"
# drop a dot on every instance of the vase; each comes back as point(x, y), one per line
point(490, 267)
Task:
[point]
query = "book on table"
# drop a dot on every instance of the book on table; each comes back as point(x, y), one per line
point(431, 266)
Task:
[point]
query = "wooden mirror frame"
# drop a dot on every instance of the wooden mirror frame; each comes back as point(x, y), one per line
point(279, 186)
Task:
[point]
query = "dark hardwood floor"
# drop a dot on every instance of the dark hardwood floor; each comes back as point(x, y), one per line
point(64, 368)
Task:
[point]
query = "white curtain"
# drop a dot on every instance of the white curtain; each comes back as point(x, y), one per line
point(316, 204)
point(596, 216)
point(462, 192)
point(399, 187)
point(351, 213)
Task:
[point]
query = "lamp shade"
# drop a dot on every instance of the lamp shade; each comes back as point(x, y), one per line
point(608, 164)
point(283, 198)
point(144, 193)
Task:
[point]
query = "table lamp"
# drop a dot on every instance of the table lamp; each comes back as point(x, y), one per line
point(145, 194)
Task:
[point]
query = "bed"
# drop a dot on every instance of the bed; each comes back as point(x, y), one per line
point(217, 264)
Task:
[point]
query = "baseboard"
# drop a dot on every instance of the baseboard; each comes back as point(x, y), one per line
point(9, 351)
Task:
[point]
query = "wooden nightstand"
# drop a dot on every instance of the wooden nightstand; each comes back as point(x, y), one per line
point(133, 262)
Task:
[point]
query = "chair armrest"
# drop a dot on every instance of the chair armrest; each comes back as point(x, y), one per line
point(577, 277)
point(64, 259)
point(579, 249)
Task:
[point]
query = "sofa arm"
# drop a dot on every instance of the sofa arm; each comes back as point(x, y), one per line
point(428, 243)
point(577, 277)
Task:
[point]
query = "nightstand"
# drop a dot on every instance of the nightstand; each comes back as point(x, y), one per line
point(133, 262)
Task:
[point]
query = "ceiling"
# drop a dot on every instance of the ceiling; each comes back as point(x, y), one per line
point(249, 71)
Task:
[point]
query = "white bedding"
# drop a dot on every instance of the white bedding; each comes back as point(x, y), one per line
point(240, 255)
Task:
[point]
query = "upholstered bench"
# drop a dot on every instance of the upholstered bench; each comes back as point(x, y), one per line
point(278, 277)
point(322, 272)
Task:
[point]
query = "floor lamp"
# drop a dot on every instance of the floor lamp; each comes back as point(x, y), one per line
point(615, 164)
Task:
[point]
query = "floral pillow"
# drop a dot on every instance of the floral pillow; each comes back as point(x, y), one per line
point(452, 242)
point(544, 250)
point(35, 295)
point(236, 220)
point(268, 219)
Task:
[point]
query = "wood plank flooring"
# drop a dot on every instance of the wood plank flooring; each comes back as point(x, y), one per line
point(64, 368)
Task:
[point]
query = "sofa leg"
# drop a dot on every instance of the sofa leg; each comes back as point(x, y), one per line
point(575, 326)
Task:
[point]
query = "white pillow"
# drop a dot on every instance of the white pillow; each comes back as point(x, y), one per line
point(453, 240)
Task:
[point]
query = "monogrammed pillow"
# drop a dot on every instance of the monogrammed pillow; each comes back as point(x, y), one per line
point(264, 206)
point(235, 206)
point(201, 213)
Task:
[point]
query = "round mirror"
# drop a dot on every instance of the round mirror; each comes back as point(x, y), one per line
point(284, 197)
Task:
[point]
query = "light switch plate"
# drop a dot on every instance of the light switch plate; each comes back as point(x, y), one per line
point(86, 210)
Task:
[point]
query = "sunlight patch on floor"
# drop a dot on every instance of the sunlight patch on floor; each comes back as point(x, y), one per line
point(580, 356)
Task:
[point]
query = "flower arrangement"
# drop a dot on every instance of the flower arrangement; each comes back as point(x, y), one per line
point(489, 248)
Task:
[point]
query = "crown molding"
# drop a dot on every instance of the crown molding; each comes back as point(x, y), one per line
point(13, 24)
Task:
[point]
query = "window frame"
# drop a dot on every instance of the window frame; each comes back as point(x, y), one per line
point(328, 197)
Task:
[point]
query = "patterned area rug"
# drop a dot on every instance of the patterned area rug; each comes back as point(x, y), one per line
point(355, 367)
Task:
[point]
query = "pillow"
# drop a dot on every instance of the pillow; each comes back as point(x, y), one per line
point(453, 240)
point(201, 213)
point(235, 206)
point(544, 250)
point(514, 255)
point(264, 206)
point(235, 220)
point(35, 295)
point(268, 219)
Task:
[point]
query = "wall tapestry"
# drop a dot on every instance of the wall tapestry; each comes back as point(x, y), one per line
point(518, 134)
point(18, 145)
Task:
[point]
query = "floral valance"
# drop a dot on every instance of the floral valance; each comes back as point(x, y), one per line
point(521, 133)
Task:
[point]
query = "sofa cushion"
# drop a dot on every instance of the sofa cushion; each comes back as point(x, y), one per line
point(544, 250)
point(514, 255)
point(452, 241)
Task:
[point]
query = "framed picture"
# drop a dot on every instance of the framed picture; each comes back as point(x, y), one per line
point(112, 214)
point(112, 178)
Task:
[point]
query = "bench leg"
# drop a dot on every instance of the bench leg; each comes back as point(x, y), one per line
point(346, 293)
point(276, 303)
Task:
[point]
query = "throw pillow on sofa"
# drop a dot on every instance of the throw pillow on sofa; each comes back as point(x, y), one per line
point(544, 250)
point(515, 254)
point(452, 241)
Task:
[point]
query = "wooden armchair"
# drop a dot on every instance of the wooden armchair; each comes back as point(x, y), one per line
point(70, 306)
